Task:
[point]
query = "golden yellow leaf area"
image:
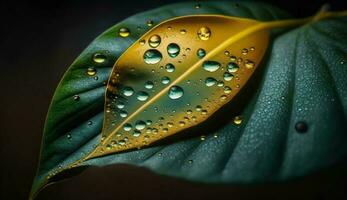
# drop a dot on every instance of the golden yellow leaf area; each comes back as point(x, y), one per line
point(176, 76)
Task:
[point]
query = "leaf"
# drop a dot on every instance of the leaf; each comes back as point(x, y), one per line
point(287, 91)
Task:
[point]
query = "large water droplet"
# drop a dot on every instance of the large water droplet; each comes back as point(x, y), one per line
point(91, 71)
point(227, 76)
point(165, 80)
point(124, 32)
point(204, 33)
point(211, 66)
point(154, 41)
point(232, 67)
point(170, 67)
point(173, 50)
point(128, 91)
point(139, 125)
point(149, 85)
point(201, 53)
point(152, 56)
point(142, 96)
point(99, 58)
point(209, 81)
point(175, 92)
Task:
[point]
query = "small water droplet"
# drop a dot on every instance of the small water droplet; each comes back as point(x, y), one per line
point(252, 48)
point(149, 85)
point(220, 84)
point(227, 76)
point(226, 53)
point(68, 136)
point(249, 64)
point(201, 53)
point(197, 5)
point(204, 33)
point(91, 71)
point(175, 92)
point(227, 90)
point(99, 58)
point(154, 41)
point(123, 113)
point(211, 66)
point(238, 120)
point(223, 97)
point(183, 31)
point(120, 105)
point(142, 42)
point(76, 97)
point(90, 123)
point(232, 67)
point(128, 91)
point(169, 124)
point(124, 32)
point(149, 23)
point(142, 96)
point(170, 67)
point(198, 108)
point(202, 137)
point(209, 81)
point(301, 127)
point(190, 161)
point(127, 127)
point(189, 112)
point(244, 51)
point(139, 125)
point(182, 123)
point(152, 56)
point(173, 50)
point(165, 80)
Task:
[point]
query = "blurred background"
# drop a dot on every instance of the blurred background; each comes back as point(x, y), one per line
point(38, 43)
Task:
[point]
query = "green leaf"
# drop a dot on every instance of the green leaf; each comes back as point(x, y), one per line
point(301, 82)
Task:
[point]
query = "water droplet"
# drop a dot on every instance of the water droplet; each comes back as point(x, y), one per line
point(244, 51)
point(120, 105)
point(90, 123)
point(190, 161)
point(149, 23)
point(68, 136)
point(301, 127)
point(249, 64)
point(170, 124)
point(204, 112)
point(209, 81)
point(165, 80)
point(189, 112)
point(139, 125)
point(136, 133)
point(142, 42)
point(211, 66)
point(123, 113)
point(232, 67)
point(226, 53)
point(76, 97)
point(142, 96)
point(149, 85)
point(182, 123)
point(252, 49)
point(154, 41)
point(198, 108)
point(152, 56)
point(201, 53)
point(238, 120)
point(99, 58)
point(173, 50)
point(227, 90)
point(91, 71)
point(175, 92)
point(232, 58)
point(183, 31)
point(227, 76)
point(197, 5)
point(170, 67)
point(124, 32)
point(204, 33)
point(223, 97)
point(122, 142)
point(202, 137)
point(128, 91)
point(127, 127)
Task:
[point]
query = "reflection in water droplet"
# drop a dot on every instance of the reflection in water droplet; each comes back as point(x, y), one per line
point(201, 53)
point(142, 96)
point(154, 41)
point(152, 56)
point(211, 66)
point(124, 32)
point(232, 67)
point(149, 85)
point(249, 64)
point(139, 125)
point(173, 50)
point(99, 58)
point(76, 97)
point(127, 127)
point(128, 91)
point(204, 33)
point(170, 67)
point(165, 80)
point(238, 120)
point(209, 81)
point(227, 76)
point(123, 113)
point(175, 92)
point(91, 71)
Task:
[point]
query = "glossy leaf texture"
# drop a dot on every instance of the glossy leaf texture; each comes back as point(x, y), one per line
point(289, 119)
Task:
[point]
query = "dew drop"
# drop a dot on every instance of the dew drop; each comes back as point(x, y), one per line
point(142, 96)
point(99, 58)
point(190, 161)
point(204, 33)
point(249, 64)
point(201, 53)
point(128, 91)
point(173, 50)
point(175, 92)
point(170, 124)
point(149, 85)
point(182, 123)
point(227, 90)
point(189, 112)
point(170, 67)
point(227, 53)
point(165, 80)
point(123, 113)
point(183, 31)
point(120, 105)
point(197, 5)
point(211, 66)
point(76, 97)
point(220, 84)
point(227, 76)
point(232, 67)
point(202, 137)
point(142, 42)
point(209, 81)
point(238, 120)
point(252, 48)
point(154, 41)
point(149, 23)
point(127, 127)
point(91, 71)
point(68, 136)
point(301, 127)
point(244, 51)
point(124, 32)
point(152, 56)
point(198, 108)
point(139, 125)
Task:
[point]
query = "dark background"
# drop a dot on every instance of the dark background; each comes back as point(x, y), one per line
point(38, 43)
